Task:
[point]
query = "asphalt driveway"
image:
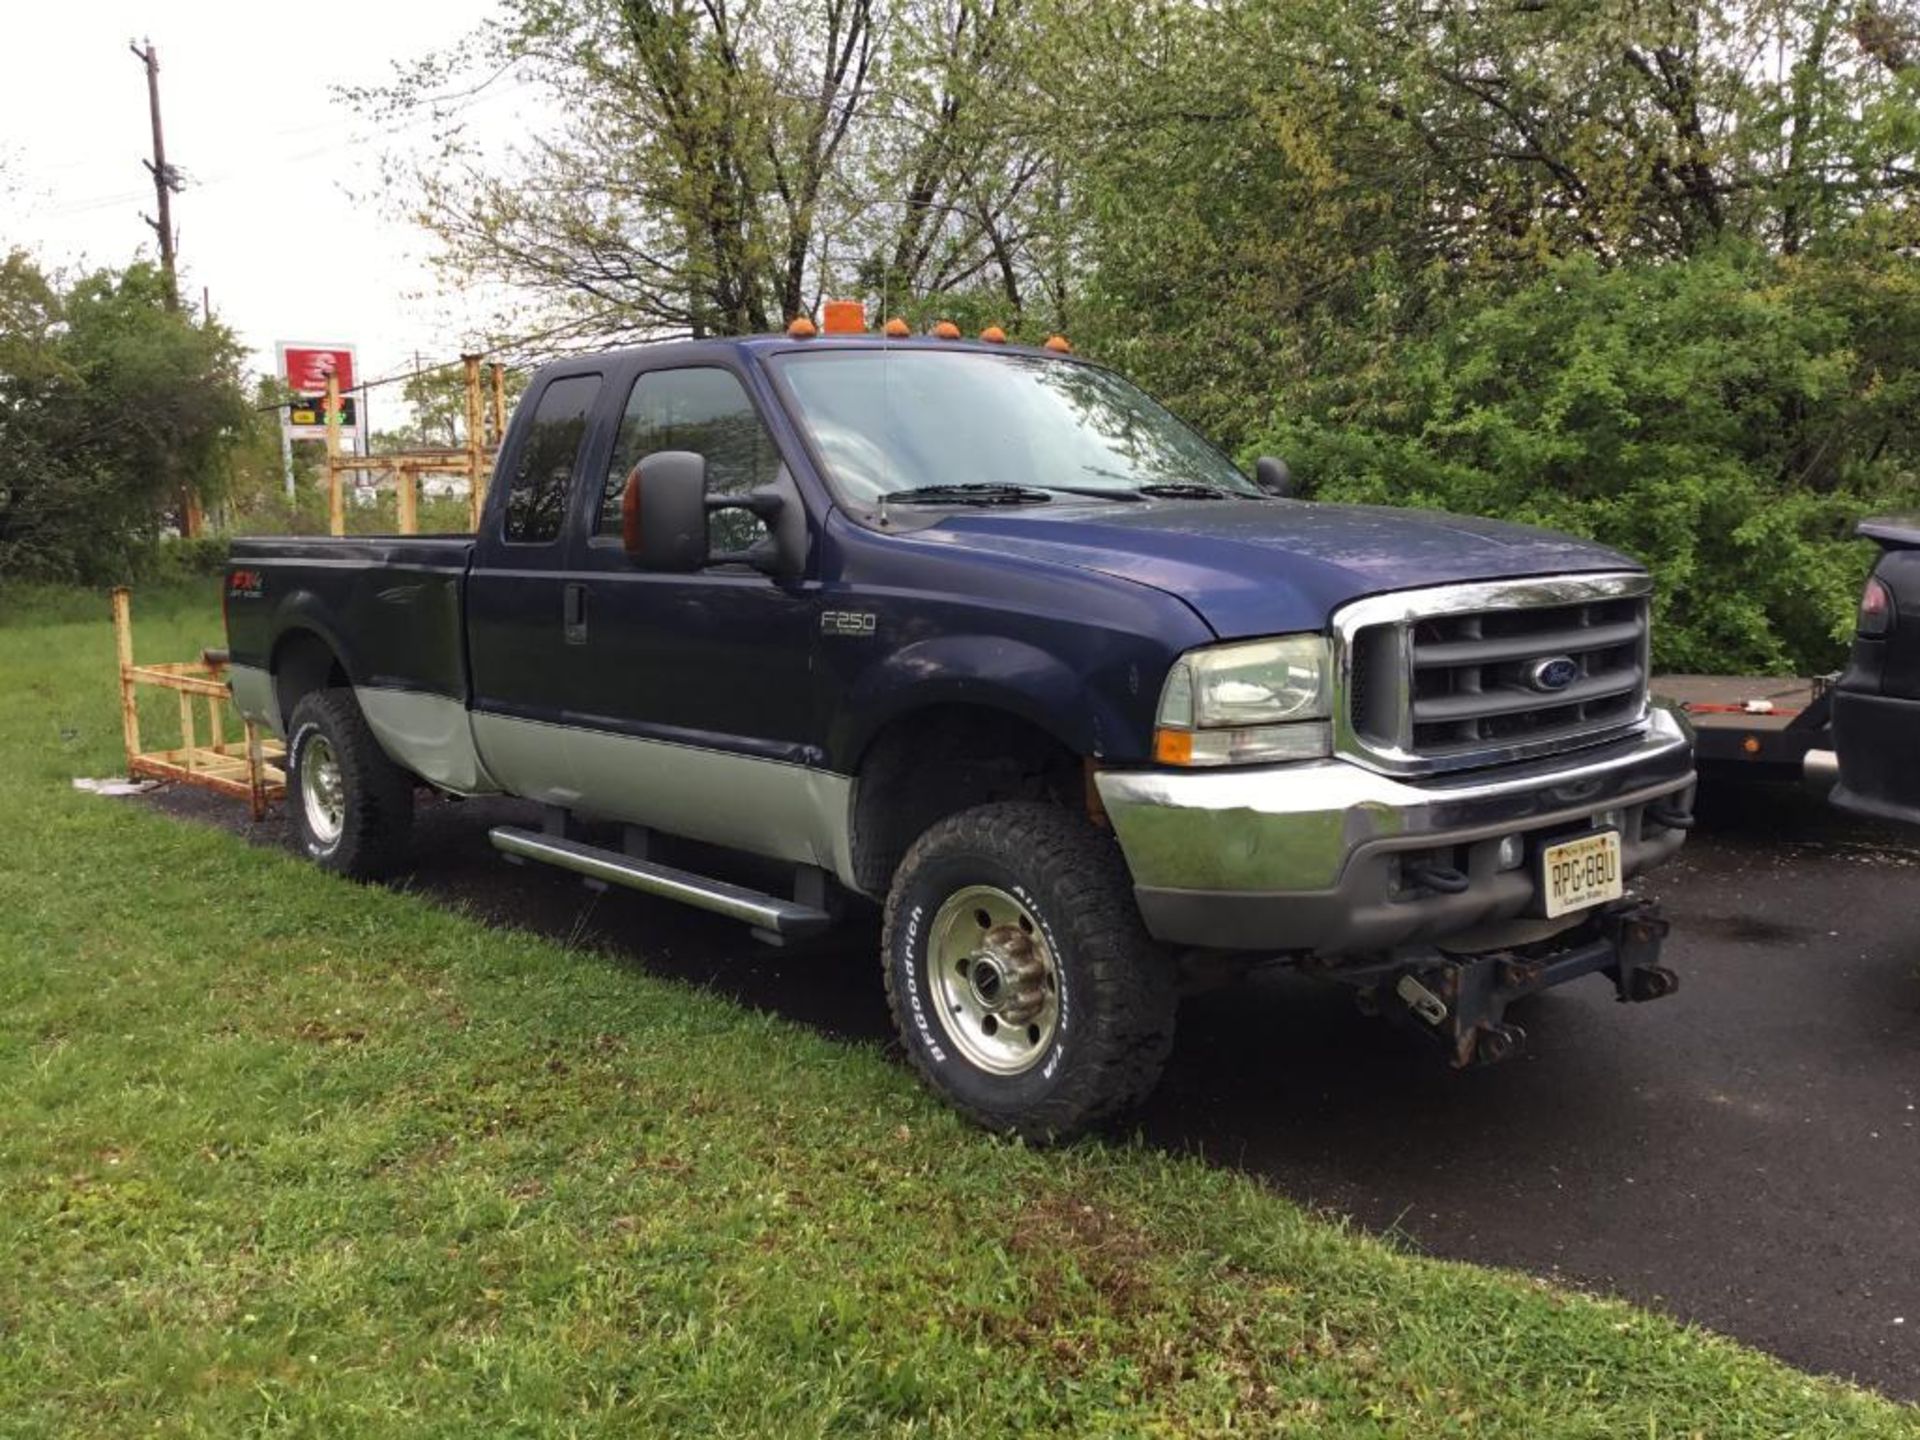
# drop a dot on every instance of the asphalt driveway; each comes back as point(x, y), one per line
point(1745, 1155)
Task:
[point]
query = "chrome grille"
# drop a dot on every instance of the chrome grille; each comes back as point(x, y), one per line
point(1475, 674)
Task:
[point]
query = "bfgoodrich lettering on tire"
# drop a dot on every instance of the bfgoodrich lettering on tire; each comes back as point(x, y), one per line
point(1022, 983)
point(352, 807)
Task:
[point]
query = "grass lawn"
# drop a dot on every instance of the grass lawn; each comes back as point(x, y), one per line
point(283, 1155)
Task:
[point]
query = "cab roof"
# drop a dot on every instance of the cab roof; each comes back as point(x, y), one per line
point(767, 345)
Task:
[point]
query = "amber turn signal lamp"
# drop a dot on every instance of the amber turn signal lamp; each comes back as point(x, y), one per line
point(1058, 344)
point(801, 328)
point(1173, 747)
point(994, 335)
point(845, 317)
point(630, 512)
point(897, 329)
point(946, 330)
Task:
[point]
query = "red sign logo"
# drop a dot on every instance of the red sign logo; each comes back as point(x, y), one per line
point(308, 368)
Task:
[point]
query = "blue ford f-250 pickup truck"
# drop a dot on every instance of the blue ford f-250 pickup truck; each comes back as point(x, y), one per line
point(985, 635)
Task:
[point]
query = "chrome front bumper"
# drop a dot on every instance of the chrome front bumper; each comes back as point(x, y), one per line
point(1308, 857)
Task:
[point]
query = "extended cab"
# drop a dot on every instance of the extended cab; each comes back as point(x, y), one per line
point(986, 636)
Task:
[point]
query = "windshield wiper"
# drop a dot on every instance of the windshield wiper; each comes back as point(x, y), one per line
point(970, 494)
point(1096, 492)
point(1184, 490)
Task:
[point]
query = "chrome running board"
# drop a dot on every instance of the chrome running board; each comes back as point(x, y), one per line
point(788, 919)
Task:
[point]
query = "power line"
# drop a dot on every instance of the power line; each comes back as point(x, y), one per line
point(497, 348)
point(444, 108)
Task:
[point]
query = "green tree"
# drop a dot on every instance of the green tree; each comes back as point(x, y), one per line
point(1720, 419)
point(725, 164)
point(960, 184)
point(438, 398)
point(113, 409)
point(1264, 183)
point(685, 193)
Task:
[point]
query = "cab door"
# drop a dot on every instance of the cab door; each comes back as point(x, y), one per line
point(519, 600)
point(692, 708)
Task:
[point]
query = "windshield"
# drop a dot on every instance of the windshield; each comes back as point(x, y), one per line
point(886, 422)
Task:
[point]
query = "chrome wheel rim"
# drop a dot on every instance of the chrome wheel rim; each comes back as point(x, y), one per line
point(994, 980)
point(323, 794)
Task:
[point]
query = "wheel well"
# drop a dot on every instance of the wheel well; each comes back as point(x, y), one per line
point(932, 763)
point(302, 663)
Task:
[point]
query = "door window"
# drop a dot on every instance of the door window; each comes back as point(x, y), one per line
point(537, 494)
point(705, 410)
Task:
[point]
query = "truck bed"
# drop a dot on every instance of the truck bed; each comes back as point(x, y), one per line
point(434, 550)
point(1755, 725)
point(389, 606)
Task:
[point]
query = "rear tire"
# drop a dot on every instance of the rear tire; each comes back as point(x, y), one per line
point(352, 807)
point(1023, 984)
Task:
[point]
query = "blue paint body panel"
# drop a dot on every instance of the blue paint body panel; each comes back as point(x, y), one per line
point(1257, 567)
point(1067, 614)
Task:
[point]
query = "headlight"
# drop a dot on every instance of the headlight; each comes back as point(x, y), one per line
point(1252, 701)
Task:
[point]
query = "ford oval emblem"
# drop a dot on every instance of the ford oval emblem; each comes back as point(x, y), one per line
point(1554, 673)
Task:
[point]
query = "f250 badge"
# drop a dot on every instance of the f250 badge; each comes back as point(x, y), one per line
point(246, 584)
point(849, 624)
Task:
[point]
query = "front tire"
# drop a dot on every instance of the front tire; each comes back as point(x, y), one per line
point(352, 807)
point(1022, 983)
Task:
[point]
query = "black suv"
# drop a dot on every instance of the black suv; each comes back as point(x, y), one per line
point(1876, 707)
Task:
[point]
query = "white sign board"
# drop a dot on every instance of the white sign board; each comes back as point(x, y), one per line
point(304, 367)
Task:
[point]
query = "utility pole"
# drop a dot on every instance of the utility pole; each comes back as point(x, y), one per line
point(166, 180)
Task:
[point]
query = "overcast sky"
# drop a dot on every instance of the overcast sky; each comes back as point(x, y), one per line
point(277, 220)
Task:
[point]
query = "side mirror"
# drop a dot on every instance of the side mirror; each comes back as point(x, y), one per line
point(663, 512)
point(663, 520)
point(1271, 474)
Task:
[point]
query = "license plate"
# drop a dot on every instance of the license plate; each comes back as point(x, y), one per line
point(1577, 873)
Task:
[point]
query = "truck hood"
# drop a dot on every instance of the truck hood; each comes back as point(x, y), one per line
point(1265, 567)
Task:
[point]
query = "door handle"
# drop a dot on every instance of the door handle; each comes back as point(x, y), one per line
point(573, 613)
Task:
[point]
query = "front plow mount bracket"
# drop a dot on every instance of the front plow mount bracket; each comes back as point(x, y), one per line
point(1460, 1001)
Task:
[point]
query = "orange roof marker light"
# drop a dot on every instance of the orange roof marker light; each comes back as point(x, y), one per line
point(994, 335)
point(946, 330)
point(1058, 344)
point(897, 329)
point(845, 317)
point(801, 327)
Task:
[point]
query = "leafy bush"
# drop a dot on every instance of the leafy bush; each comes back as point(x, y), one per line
point(177, 560)
point(1725, 419)
point(114, 408)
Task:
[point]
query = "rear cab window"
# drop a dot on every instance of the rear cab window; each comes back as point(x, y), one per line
point(543, 470)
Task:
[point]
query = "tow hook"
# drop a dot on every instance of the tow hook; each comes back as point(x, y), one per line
point(1656, 982)
point(1422, 1001)
point(1670, 815)
point(1498, 1042)
point(1637, 932)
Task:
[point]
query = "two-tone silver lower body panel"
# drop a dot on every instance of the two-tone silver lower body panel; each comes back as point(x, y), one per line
point(744, 802)
point(1313, 856)
point(765, 807)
